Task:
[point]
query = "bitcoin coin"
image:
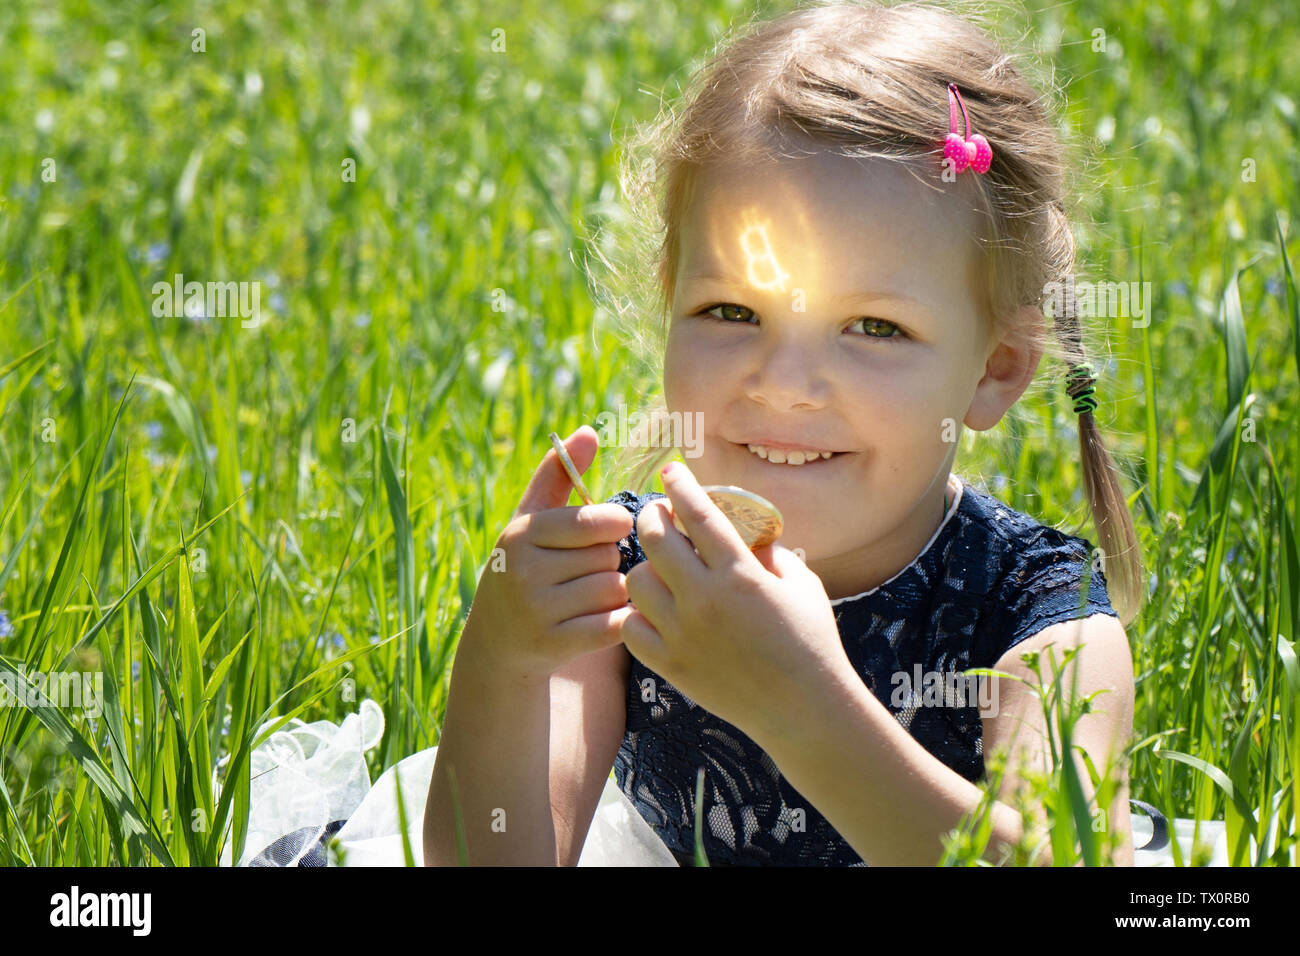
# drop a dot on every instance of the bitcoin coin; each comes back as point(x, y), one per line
point(756, 519)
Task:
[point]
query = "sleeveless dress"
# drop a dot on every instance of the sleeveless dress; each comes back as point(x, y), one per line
point(989, 578)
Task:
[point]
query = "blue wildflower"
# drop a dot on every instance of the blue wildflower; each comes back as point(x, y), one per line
point(156, 253)
point(277, 302)
point(6, 627)
point(153, 430)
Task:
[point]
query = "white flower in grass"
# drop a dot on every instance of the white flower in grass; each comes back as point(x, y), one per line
point(496, 372)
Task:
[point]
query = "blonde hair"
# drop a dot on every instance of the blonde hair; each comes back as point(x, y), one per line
point(867, 80)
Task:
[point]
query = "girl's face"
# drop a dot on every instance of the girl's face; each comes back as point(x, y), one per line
point(829, 303)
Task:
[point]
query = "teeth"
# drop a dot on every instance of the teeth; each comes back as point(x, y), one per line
point(779, 456)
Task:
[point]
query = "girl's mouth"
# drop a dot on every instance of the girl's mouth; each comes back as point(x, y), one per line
point(791, 459)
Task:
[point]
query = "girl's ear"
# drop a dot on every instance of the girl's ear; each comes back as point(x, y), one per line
point(1008, 370)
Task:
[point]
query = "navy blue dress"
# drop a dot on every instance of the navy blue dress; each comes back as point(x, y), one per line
point(989, 578)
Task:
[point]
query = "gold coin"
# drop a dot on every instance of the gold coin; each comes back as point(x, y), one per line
point(756, 518)
point(567, 462)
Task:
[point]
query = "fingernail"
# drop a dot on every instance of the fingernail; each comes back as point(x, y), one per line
point(668, 469)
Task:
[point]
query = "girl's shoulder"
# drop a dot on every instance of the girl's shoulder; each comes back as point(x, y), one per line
point(1016, 532)
point(1039, 574)
point(1025, 546)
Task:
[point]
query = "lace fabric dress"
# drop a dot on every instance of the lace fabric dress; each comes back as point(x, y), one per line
point(989, 578)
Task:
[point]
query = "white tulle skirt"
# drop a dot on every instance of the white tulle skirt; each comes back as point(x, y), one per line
point(308, 777)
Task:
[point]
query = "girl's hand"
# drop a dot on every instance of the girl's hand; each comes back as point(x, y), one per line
point(749, 636)
point(553, 591)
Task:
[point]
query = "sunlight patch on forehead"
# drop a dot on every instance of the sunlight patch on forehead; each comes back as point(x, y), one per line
point(827, 219)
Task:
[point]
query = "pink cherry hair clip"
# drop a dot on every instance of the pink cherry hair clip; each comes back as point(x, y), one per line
point(972, 150)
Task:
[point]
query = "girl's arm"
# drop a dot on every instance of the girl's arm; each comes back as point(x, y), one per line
point(588, 720)
point(1104, 732)
point(893, 800)
point(495, 736)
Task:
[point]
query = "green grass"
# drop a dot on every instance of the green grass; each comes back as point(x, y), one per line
point(230, 521)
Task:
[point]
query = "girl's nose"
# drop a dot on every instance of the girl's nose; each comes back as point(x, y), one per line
point(787, 376)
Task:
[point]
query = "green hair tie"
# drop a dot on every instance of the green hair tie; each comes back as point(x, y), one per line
point(1080, 384)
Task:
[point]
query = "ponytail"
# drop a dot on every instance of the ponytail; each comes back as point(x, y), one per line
point(1121, 555)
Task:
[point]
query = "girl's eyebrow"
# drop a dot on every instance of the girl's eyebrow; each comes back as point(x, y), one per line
point(859, 295)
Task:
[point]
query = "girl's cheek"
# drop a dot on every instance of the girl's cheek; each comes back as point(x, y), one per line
point(688, 386)
point(905, 418)
point(692, 364)
point(906, 394)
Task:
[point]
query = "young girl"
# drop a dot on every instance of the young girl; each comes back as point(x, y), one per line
point(862, 209)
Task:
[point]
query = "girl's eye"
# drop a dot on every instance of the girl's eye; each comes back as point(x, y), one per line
point(880, 325)
point(883, 325)
point(722, 305)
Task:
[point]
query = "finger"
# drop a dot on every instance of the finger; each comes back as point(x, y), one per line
point(652, 597)
point(590, 594)
point(591, 632)
point(580, 526)
point(642, 640)
point(779, 560)
point(550, 486)
point(570, 564)
point(766, 556)
point(791, 567)
point(712, 533)
point(667, 549)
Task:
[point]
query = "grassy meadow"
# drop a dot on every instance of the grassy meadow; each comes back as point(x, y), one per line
point(236, 520)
